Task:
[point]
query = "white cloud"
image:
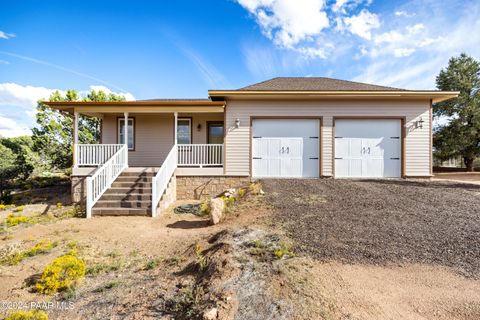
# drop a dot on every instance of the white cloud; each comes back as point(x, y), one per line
point(4, 62)
point(401, 43)
point(342, 6)
point(403, 13)
point(128, 96)
point(403, 52)
point(11, 128)
point(362, 24)
point(287, 22)
point(401, 47)
point(12, 94)
point(4, 35)
point(18, 104)
point(338, 5)
point(419, 70)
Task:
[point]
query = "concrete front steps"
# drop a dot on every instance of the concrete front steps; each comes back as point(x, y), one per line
point(129, 195)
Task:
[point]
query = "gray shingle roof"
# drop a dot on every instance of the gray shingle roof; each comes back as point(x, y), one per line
point(314, 84)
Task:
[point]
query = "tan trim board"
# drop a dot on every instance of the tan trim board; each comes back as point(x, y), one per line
point(208, 123)
point(225, 140)
point(431, 137)
point(191, 127)
point(136, 103)
point(436, 96)
point(134, 132)
point(147, 109)
point(320, 124)
point(402, 120)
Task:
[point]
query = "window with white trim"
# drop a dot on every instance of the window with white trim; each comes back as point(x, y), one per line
point(131, 132)
point(184, 131)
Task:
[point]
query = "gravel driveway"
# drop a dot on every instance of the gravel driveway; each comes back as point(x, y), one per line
point(382, 221)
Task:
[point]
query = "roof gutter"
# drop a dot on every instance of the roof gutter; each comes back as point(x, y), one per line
point(95, 108)
point(136, 103)
point(436, 96)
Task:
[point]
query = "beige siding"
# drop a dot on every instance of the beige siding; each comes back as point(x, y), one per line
point(154, 135)
point(417, 142)
point(202, 119)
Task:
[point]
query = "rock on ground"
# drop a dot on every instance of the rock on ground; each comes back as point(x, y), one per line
point(217, 207)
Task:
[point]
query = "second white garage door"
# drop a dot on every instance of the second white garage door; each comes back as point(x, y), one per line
point(368, 148)
point(285, 148)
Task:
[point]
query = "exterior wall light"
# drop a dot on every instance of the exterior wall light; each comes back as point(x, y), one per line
point(419, 124)
point(237, 123)
point(199, 127)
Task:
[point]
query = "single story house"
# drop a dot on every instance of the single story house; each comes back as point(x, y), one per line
point(155, 151)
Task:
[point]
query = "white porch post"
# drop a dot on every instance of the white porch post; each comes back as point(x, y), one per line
point(176, 123)
point(125, 133)
point(75, 139)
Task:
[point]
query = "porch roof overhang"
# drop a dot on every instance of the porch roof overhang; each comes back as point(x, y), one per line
point(434, 95)
point(92, 108)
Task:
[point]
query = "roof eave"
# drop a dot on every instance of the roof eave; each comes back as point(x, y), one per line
point(93, 108)
point(435, 96)
point(135, 103)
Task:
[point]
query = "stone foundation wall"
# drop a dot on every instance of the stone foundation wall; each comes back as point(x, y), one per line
point(79, 190)
point(205, 187)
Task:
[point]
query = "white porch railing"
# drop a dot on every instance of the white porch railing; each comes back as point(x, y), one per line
point(200, 155)
point(94, 154)
point(103, 177)
point(161, 179)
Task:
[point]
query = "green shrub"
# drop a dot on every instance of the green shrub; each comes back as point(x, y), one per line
point(283, 250)
point(27, 315)
point(152, 264)
point(204, 209)
point(13, 220)
point(172, 261)
point(102, 267)
point(6, 206)
point(187, 303)
point(107, 286)
point(42, 247)
point(62, 273)
point(18, 209)
point(202, 262)
point(241, 192)
point(255, 188)
point(258, 248)
point(228, 201)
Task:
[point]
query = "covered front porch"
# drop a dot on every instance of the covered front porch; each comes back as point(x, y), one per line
point(143, 146)
point(198, 137)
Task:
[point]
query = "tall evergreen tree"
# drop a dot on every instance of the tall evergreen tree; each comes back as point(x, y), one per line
point(460, 136)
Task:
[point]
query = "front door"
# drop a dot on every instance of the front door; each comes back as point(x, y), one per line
point(215, 132)
point(215, 136)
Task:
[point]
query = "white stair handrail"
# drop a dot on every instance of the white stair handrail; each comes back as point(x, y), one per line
point(161, 179)
point(104, 176)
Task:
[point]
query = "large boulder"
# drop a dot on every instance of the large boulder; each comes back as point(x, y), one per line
point(217, 206)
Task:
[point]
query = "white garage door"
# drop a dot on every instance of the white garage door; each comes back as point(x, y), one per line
point(287, 148)
point(368, 148)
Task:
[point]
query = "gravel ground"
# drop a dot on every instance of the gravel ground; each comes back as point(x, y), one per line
point(382, 221)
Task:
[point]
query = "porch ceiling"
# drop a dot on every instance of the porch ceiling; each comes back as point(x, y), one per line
point(99, 108)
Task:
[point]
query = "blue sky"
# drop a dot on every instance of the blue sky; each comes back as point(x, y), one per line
point(180, 49)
